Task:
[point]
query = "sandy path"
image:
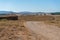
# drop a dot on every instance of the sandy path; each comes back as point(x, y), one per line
point(50, 32)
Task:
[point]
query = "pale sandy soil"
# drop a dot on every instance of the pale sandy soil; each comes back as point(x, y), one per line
point(43, 31)
point(28, 30)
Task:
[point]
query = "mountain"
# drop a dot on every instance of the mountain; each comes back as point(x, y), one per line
point(6, 12)
point(25, 13)
point(31, 13)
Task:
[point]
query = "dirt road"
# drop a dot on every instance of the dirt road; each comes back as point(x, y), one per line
point(48, 32)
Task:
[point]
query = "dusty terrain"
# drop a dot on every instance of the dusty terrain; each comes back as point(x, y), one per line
point(44, 31)
point(30, 28)
point(15, 30)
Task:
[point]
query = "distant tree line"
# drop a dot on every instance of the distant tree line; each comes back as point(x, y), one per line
point(56, 13)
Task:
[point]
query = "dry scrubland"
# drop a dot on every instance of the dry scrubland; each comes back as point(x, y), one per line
point(15, 29)
point(55, 21)
point(49, 19)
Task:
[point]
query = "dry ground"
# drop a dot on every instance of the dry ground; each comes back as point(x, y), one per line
point(16, 30)
point(44, 31)
point(55, 22)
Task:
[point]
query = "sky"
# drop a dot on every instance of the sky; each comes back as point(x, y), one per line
point(30, 5)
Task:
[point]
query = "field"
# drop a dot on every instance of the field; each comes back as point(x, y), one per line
point(14, 30)
point(20, 29)
point(55, 22)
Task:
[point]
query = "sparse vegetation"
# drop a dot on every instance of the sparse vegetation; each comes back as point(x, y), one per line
point(13, 29)
point(55, 21)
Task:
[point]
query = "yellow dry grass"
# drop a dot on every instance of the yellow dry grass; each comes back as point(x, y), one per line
point(55, 21)
point(15, 30)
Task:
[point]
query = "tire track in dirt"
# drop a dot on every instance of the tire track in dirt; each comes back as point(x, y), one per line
point(48, 32)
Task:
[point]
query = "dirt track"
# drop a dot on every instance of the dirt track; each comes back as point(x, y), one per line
point(44, 31)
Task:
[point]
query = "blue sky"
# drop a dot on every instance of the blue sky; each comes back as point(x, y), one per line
point(30, 5)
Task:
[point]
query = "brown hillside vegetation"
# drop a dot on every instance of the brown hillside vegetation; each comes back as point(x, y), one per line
point(36, 18)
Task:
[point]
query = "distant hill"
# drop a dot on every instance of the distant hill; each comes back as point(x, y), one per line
point(6, 12)
point(27, 13)
point(31, 13)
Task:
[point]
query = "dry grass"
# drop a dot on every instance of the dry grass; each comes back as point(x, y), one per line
point(35, 18)
point(56, 21)
point(10, 29)
point(15, 30)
